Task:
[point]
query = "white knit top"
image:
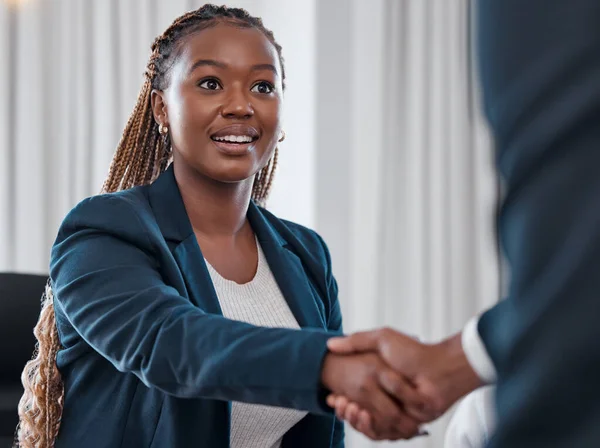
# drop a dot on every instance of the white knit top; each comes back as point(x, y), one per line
point(258, 302)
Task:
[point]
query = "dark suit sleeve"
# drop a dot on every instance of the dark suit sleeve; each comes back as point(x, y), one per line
point(490, 327)
point(108, 285)
point(540, 66)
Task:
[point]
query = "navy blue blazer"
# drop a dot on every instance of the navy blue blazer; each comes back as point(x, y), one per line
point(148, 358)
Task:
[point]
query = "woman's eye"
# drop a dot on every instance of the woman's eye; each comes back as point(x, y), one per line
point(263, 87)
point(210, 84)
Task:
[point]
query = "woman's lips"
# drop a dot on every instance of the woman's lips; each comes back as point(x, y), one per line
point(234, 149)
point(236, 139)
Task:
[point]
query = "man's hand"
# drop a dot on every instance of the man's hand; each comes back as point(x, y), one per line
point(360, 378)
point(439, 372)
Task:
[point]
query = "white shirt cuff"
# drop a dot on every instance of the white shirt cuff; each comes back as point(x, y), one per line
point(476, 353)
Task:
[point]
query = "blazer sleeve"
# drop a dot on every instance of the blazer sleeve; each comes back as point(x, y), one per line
point(334, 324)
point(108, 285)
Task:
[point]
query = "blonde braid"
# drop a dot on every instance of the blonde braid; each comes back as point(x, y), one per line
point(40, 407)
point(269, 182)
point(264, 180)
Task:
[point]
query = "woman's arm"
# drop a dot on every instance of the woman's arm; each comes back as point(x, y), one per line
point(108, 285)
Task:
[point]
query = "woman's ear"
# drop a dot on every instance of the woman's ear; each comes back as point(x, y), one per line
point(159, 107)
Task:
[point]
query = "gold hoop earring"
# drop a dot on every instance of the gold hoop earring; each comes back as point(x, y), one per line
point(163, 129)
point(282, 136)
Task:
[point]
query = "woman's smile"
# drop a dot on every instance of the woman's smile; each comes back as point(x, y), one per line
point(236, 140)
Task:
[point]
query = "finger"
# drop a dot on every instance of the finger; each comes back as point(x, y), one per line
point(341, 402)
point(402, 390)
point(402, 427)
point(369, 431)
point(351, 414)
point(355, 343)
point(421, 413)
point(331, 398)
point(364, 420)
point(365, 425)
point(406, 428)
point(389, 418)
point(340, 407)
point(373, 397)
point(384, 411)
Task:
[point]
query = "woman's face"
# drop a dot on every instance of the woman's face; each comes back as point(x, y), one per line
point(223, 103)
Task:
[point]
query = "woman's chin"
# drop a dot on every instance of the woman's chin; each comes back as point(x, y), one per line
point(234, 170)
point(232, 176)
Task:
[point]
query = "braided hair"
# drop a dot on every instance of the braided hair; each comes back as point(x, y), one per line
point(143, 153)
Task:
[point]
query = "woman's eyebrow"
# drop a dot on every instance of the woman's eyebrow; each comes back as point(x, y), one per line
point(270, 67)
point(222, 65)
point(207, 62)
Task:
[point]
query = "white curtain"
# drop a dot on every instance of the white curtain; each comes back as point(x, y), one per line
point(406, 185)
point(70, 78)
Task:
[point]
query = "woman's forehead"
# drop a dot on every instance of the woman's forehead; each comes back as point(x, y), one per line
point(230, 45)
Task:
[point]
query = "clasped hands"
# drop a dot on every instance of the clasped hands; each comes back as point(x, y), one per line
point(387, 384)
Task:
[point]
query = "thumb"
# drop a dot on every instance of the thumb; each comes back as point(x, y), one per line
point(365, 341)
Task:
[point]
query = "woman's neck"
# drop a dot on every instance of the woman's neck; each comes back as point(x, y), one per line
point(215, 209)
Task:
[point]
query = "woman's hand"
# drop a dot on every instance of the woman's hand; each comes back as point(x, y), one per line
point(359, 378)
point(358, 418)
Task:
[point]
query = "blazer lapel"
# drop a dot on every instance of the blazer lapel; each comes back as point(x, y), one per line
point(286, 266)
point(195, 273)
point(288, 271)
point(175, 226)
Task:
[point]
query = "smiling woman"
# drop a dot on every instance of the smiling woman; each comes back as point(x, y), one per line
point(220, 94)
point(154, 329)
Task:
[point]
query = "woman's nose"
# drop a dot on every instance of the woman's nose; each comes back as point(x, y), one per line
point(238, 105)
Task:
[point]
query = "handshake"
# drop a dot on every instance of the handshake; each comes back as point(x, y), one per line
point(387, 384)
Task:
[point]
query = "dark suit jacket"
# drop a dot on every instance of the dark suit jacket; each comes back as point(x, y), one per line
point(540, 67)
point(149, 360)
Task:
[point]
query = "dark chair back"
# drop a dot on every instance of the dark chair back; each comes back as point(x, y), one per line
point(20, 301)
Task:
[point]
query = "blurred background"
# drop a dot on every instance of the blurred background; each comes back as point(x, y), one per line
point(387, 154)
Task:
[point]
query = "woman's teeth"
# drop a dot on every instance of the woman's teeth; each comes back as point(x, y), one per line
point(234, 139)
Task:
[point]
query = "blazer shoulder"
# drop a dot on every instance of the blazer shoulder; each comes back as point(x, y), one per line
point(134, 199)
point(299, 235)
point(306, 235)
point(313, 241)
point(123, 212)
